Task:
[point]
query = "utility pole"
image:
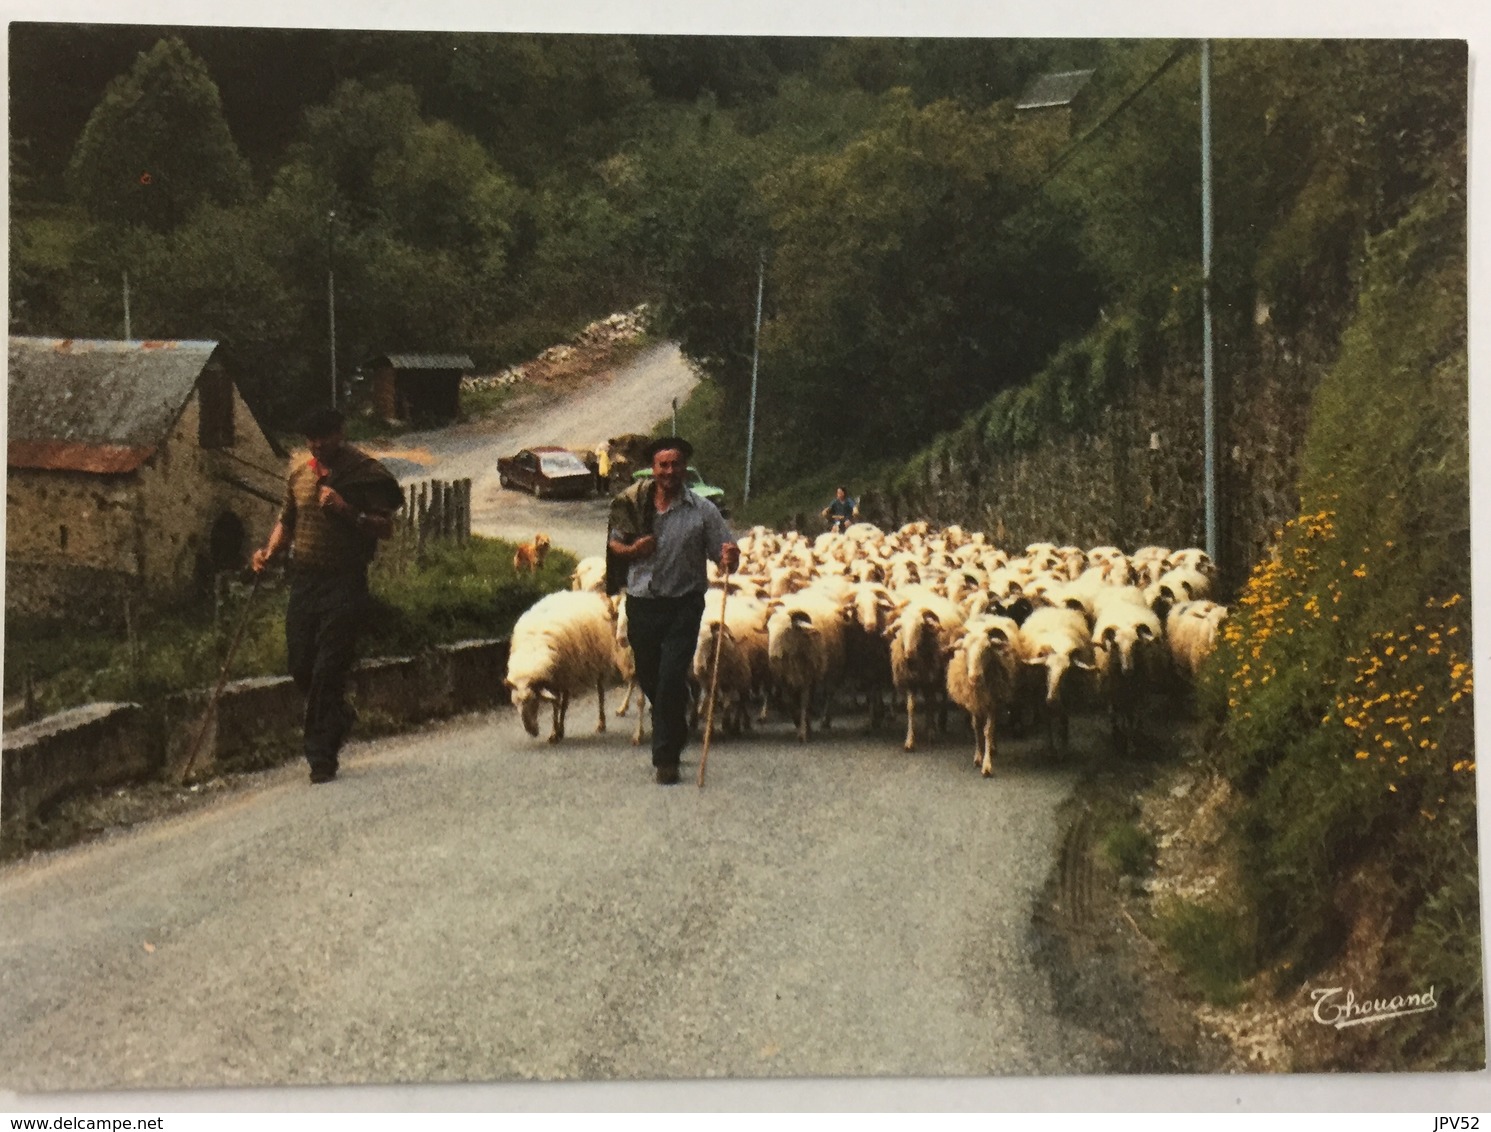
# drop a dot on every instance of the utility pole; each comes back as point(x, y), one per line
point(755, 365)
point(331, 298)
point(1208, 375)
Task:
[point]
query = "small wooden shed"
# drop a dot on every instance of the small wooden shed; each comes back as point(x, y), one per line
point(422, 387)
point(1052, 99)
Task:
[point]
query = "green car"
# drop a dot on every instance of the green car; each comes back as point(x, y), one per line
point(695, 483)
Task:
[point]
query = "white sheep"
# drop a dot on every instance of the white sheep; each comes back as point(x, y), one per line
point(1055, 641)
point(921, 636)
point(904, 571)
point(589, 575)
point(981, 679)
point(1075, 560)
point(1149, 563)
point(1180, 583)
point(805, 646)
point(563, 645)
point(867, 612)
point(716, 644)
point(787, 580)
point(1129, 641)
point(745, 615)
point(1115, 564)
point(1191, 630)
point(1194, 558)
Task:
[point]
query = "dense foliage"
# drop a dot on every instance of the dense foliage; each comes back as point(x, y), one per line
point(491, 193)
point(1346, 674)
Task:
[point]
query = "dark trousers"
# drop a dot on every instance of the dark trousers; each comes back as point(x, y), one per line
point(322, 623)
point(664, 632)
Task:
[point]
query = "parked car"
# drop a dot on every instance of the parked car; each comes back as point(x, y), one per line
point(695, 483)
point(550, 473)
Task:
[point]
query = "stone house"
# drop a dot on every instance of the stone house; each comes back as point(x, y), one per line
point(133, 468)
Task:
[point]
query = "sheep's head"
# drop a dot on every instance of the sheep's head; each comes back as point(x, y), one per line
point(985, 645)
point(1057, 663)
point(711, 635)
point(528, 698)
point(919, 630)
point(787, 624)
point(1122, 641)
point(869, 608)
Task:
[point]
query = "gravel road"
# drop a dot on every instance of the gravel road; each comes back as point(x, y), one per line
point(469, 904)
point(633, 397)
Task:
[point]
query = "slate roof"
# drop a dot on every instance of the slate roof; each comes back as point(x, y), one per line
point(427, 361)
point(96, 406)
point(1059, 88)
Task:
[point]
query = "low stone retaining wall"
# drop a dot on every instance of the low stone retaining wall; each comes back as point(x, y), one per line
point(93, 745)
point(256, 723)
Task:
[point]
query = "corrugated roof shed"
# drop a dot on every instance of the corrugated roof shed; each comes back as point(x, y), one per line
point(1056, 89)
point(428, 361)
point(96, 406)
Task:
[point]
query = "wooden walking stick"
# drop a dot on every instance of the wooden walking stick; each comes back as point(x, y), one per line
point(222, 679)
point(714, 683)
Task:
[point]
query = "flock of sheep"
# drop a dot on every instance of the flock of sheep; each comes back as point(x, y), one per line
point(920, 616)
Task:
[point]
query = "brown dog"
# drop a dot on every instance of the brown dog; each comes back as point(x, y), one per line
point(530, 555)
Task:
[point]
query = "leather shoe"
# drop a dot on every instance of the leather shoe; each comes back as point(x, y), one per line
point(321, 775)
point(667, 776)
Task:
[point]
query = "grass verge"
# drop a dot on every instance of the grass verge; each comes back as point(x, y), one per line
point(457, 592)
point(1213, 945)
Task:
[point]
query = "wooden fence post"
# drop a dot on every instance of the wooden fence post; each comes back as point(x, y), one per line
point(423, 521)
point(437, 508)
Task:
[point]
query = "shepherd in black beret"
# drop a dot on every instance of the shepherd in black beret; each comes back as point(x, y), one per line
point(670, 444)
point(662, 537)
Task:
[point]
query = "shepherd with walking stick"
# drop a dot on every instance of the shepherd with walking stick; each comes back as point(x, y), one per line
point(714, 683)
point(662, 536)
point(222, 680)
point(338, 503)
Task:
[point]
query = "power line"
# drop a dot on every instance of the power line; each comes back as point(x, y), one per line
point(1065, 156)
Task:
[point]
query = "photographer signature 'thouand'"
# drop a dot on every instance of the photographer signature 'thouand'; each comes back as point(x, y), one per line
point(1339, 1007)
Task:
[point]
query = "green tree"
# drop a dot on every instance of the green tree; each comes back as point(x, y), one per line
point(423, 231)
point(157, 145)
point(704, 226)
point(915, 275)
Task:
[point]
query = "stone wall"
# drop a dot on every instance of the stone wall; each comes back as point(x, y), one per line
point(75, 542)
point(1137, 478)
point(256, 723)
point(184, 490)
point(94, 745)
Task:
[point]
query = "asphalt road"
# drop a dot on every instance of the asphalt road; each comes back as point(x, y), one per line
point(469, 904)
point(634, 397)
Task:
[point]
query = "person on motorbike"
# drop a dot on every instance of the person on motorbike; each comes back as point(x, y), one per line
point(841, 512)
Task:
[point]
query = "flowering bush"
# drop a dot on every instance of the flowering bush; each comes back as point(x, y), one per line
point(1343, 679)
point(1399, 703)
